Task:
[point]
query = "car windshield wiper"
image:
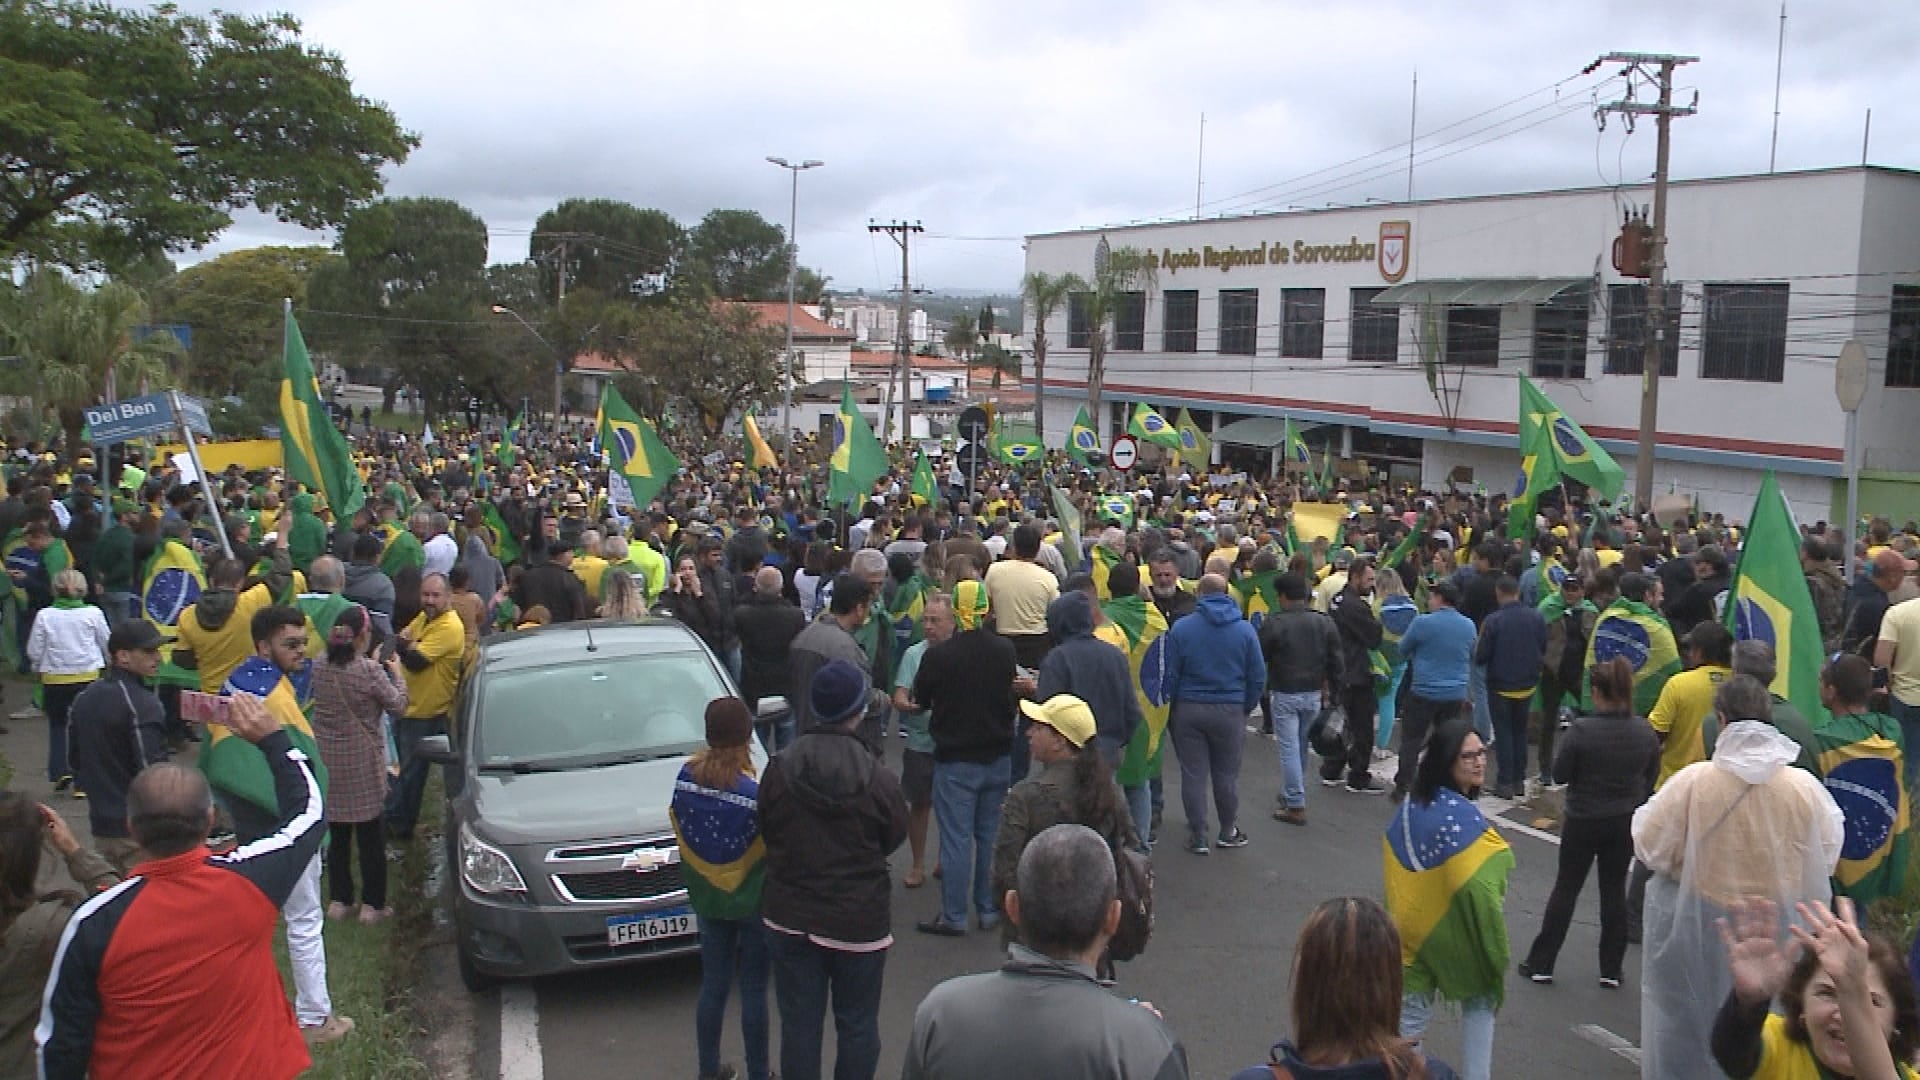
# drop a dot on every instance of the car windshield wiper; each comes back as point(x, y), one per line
point(522, 768)
point(633, 758)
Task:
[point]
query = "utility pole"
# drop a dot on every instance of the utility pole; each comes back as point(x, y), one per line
point(559, 364)
point(901, 233)
point(793, 267)
point(1656, 68)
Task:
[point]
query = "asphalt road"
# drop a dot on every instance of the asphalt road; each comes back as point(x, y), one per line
point(1217, 968)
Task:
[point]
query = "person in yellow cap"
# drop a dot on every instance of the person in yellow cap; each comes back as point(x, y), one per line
point(1074, 786)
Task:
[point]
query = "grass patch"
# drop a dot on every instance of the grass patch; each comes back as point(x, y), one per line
point(1898, 916)
point(373, 972)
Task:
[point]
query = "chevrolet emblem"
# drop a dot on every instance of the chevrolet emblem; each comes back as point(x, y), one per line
point(647, 860)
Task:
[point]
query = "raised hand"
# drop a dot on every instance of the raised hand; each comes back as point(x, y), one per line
point(1756, 956)
point(1833, 935)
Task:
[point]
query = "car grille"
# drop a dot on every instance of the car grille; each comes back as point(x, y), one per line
point(622, 884)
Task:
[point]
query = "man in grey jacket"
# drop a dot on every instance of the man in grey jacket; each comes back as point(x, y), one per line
point(1044, 1013)
point(1092, 670)
point(829, 638)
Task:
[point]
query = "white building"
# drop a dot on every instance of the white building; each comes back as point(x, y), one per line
point(1281, 314)
point(876, 322)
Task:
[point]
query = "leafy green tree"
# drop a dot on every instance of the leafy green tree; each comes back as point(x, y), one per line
point(736, 255)
point(1125, 271)
point(1043, 294)
point(129, 131)
point(962, 339)
point(1003, 362)
point(712, 358)
point(810, 286)
point(234, 304)
point(609, 245)
point(411, 296)
point(72, 341)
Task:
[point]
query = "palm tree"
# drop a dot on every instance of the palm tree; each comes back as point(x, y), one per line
point(1002, 362)
point(1044, 293)
point(72, 341)
point(1124, 272)
point(963, 337)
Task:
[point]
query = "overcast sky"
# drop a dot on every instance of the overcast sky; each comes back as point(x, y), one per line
point(988, 120)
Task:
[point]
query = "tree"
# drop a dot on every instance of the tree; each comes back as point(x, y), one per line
point(1125, 271)
point(1003, 362)
point(411, 296)
point(810, 287)
point(962, 338)
point(610, 246)
point(234, 305)
point(714, 358)
point(1044, 293)
point(124, 132)
point(736, 255)
point(73, 341)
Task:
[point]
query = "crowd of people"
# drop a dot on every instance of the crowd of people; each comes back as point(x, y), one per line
point(1036, 636)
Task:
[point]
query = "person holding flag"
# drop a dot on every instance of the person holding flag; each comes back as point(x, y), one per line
point(922, 486)
point(1083, 442)
point(638, 457)
point(1149, 426)
point(1862, 758)
point(1552, 446)
point(316, 453)
point(855, 459)
point(759, 454)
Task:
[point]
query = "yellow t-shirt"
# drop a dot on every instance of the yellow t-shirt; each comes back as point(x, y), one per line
point(1019, 593)
point(590, 569)
point(1681, 714)
point(218, 652)
point(1901, 625)
point(443, 642)
point(1608, 557)
point(1783, 1059)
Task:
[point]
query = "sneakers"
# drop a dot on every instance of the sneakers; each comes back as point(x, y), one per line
point(1367, 786)
point(1234, 839)
point(62, 784)
point(1544, 978)
point(1329, 781)
point(940, 929)
point(727, 1072)
point(1197, 845)
point(1290, 815)
point(335, 1028)
point(1609, 982)
point(989, 922)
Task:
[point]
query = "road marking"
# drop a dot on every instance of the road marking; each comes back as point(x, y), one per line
point(1528, 830)
point(519, 1033)
point(1607, 1040)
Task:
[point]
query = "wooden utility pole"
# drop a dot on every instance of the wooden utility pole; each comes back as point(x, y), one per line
point(1658, 69)
point(901, 233)
point(559, 368)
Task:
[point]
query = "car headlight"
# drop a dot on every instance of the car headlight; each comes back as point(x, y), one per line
point(485, 868)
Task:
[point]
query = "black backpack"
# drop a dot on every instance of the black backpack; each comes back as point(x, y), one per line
point(1133, 880)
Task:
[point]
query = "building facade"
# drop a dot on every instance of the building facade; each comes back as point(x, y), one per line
point(1400, 330)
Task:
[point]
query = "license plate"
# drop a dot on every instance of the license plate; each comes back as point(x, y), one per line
point(637, 929)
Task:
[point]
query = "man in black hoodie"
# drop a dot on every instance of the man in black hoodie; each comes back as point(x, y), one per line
point(829, 816)
point(1092, 670)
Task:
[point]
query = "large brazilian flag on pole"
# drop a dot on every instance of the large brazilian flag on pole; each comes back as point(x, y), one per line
point(316, 454)
point(1769, 601)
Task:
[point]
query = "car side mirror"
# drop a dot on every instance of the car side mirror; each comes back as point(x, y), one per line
point(437, 749)
point(771, 708)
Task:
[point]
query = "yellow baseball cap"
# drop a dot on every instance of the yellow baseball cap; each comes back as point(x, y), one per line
point(1065, 714)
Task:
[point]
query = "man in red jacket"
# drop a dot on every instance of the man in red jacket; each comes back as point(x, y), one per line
point(171, 972)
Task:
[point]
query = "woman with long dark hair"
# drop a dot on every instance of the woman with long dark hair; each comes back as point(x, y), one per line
point(350, 694)
point(1608, 760)
point(1348, 1027)
point(1446, 870)
point(31, 922)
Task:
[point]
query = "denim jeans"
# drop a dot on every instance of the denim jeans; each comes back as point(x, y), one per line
point(1293, 713)
point(1140, 808)
point(729, 947)
point(403, 803)
point(1482, 709)
point(1510, 738)
point(1476, 1040)
point(1909, 717)
point(966, 804)
point(1389, 705)
point(803, 975)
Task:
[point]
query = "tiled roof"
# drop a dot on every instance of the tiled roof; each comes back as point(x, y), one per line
point(806, 327)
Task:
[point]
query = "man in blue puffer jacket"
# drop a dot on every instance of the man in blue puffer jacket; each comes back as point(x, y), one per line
point(1215, 676)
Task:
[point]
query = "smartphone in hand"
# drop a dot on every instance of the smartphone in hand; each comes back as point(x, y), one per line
point(202, 708)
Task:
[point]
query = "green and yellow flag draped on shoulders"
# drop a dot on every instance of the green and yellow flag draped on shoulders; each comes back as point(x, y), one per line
point(1256, 596)
point(1861, 758)
point(316, 453)
point(1637, 633)
point(172, 583)
point(1104, 559)
point(1144, 627)
point(855, 458)
point(634, 448)
point(1446, 878)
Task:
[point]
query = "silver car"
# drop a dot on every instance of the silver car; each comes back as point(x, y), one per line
point(569, 740)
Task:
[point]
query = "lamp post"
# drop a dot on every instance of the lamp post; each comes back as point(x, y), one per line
point(793, 264)
point(558, 370)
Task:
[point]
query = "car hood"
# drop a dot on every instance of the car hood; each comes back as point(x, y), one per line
point(579, 804)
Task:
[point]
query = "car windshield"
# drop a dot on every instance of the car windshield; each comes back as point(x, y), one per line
point(581, 715)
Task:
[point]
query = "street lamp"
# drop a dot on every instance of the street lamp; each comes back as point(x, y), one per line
point(793, 263)
point(558, 369)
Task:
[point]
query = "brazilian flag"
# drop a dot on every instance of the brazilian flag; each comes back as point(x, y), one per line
point(1069, 517)
point(236, 766)
point(1446, 870)
point(1145, 629)
point(923, 486)
point(1256, 595)
point(510, 439)
point(1015, 445)
point(1861, 757)
point(723, 852)
point(908, 605)
point(1195, 445)
point(504, 547)
point(1104, 559)
point(316, 454)
point(635, 448)
point(1295, 447)
point(1082, 441)
point(1636, 632)
point(1115, 508)
point(855, 458)
point(1149, 426)
point(1769, 601)
point(173, 582)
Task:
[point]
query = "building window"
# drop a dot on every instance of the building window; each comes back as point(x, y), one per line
point(1627, 331)
point(1130, 322)
point(1239, 320)
point(1079, 329)
point(1744, 333)
point(1560, 336)
point(1303, 322)
point(1903, 338)
point(1180, 321)
point(1473, 336)
point(1374, 328)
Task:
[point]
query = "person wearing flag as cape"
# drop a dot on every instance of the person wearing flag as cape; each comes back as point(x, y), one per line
point(1446, 888)
point(238, 770)
point(1142, 625)
point(1862, 754)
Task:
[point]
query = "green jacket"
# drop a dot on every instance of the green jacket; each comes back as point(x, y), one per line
point(113, 559)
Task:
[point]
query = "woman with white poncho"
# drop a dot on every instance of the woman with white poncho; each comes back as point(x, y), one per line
point(1745, 824)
